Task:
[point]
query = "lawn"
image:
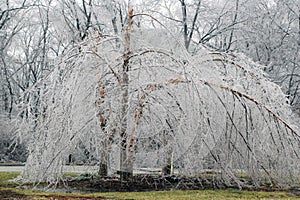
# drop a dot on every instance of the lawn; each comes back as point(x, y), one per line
point(10, 190)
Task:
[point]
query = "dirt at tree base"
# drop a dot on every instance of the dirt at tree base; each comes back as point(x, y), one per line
point(143, 183)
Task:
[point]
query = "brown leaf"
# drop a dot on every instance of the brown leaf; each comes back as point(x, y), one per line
point(102, 93)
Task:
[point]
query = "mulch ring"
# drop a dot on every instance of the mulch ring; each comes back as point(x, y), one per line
point(142, 183)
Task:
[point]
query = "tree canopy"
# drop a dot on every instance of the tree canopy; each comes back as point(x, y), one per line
point(135, 102)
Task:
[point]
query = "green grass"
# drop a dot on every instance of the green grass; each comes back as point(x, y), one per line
point(5, 176)
point(199, 194)
point(70, 174)
point(165, 195)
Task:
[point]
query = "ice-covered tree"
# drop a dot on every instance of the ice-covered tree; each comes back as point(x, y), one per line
point(142, 101)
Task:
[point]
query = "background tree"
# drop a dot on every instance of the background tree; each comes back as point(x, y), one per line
point(11, 24)
point(274, 43)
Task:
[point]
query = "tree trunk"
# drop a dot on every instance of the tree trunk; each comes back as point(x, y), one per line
point(103, 165)
point(185, 26)
point(126, 170)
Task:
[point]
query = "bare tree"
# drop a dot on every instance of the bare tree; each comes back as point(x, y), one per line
point(271, 37)
point(9, 14)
